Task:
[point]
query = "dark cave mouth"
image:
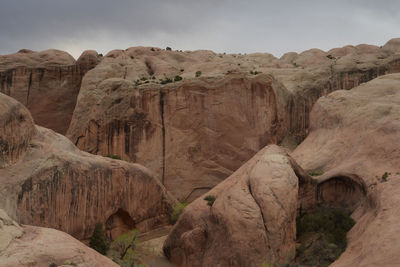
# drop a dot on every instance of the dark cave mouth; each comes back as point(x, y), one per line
point(119, 223)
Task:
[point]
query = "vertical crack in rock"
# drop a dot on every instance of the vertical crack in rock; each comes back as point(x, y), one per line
point(29, 88)
point(162, 95)
point(262, 214)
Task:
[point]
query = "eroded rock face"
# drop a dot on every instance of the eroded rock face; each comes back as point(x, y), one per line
point(196, 132)
point(354, 139)
point(46, 82)
point(202, 128)
point(56, 185)
point(30, 245)
point(252, 220)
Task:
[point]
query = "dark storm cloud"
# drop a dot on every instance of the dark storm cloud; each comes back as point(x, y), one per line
point(223, 26)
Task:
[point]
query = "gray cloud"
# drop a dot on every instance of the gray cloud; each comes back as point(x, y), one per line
point(222, 26)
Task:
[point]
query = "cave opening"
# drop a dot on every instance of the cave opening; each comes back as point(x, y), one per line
point(119, 223)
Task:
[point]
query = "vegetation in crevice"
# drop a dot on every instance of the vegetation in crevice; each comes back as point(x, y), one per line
point(322, 236)
point(113, 157)
point(123, 250)
point(98, 240)
point(316, 172)
point(177, 211)
point(210, 200)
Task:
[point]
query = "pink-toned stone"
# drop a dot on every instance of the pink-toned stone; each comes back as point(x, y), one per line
point(252, 220)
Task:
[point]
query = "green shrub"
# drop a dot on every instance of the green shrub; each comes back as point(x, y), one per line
point(177, 78)
point(210, 200)
point(143, 78)
point(384, 177)
point(168, 48)
point(123, 250)
point(98, 240)
point(323, 235)
point(152, 49)
point(166, 80)
point(177, 211)
point(182, 70)
point(255, 72)
point(113, 157)
point(315, 172)
point(198, 73)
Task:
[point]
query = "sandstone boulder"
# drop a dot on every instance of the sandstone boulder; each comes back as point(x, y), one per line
point(17, 129)
point(36, 246)
point(54, 184)
point(354, 140)
point(252, 220)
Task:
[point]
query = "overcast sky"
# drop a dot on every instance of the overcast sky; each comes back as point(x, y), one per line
point(231, 26)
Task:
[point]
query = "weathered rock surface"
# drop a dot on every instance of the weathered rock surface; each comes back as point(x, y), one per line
point(354, 140)
point(252, 220)
point(36, 246)
point(202, 128)
point(17, 129)
point(46, 82)
point(56, 185)
point(196, 132)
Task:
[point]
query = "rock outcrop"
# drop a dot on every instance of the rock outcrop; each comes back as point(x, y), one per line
point(36, 246)
point(354, 140)
point(200, 128)
point(252, 220)
point(51, 183)
point(197, 131)
point(46, 82)
point(353, 143)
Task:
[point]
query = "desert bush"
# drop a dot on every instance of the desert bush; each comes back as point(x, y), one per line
point(98, 240)
point(384, 177)
point(113, 157)
point(323, 235)
point(210, 200)
point(123, 250)
point(198, 73)
point(166, 80)
point(315, 172)
point(255, 72)
point(168, 48)
point(177, 78)
point(177, 211)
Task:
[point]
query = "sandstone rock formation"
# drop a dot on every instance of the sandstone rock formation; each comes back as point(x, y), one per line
point(46, 82)
point(251, 221)
point(202, 128)
point(196, 132)
point(46, 181)
point(354, 139)
point(36, 246)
